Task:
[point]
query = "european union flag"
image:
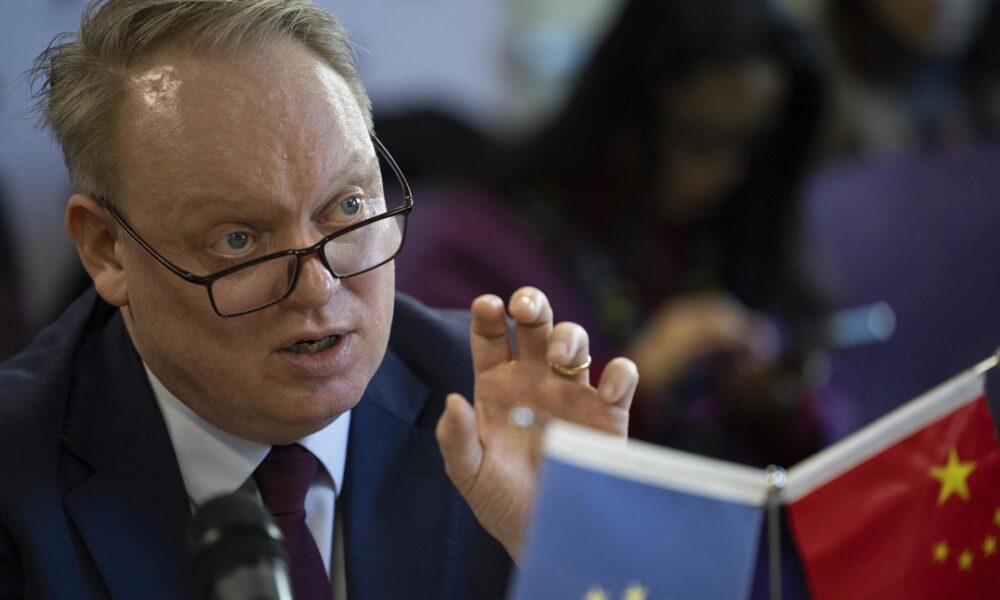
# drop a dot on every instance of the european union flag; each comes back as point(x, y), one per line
point(635, 521)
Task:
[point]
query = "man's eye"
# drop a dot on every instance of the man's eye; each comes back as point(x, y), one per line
point(350, 207)
point(236, 243)
point(238, 240)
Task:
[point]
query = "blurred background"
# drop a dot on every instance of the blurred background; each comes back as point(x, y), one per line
point(784, 211)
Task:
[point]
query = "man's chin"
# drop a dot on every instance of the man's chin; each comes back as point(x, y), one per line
point(283, 412)
point(282, 430)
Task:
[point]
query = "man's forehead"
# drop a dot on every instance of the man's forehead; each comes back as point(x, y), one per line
point(282, 74)
point(158, 86)
point(197, 201)
point(282, 115)
point(219, 197)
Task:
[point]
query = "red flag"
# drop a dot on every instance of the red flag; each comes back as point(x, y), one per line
point(909, 507)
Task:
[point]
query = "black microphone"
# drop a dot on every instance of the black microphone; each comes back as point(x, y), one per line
point(237, 552)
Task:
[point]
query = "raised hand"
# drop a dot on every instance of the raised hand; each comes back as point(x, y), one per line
point(691, 327)
point(492, 460)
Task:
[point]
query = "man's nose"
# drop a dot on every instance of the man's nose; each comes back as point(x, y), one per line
point(315, 286)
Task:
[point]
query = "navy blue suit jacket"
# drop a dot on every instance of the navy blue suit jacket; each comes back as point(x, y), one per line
point(92, 503)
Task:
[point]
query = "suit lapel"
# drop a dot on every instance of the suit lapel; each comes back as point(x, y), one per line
point(132, 510)
point(398, 511)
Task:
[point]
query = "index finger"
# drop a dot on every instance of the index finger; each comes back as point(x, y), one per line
point(489, 334)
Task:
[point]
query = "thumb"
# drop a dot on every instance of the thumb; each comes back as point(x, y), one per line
point(459, 441)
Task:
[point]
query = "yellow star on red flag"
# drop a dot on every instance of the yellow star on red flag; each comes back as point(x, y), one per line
point(953, 477)
point(937, 491)
point(965, 560)
point(941, 552)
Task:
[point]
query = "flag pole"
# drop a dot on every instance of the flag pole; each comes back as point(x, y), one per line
point(989, 363)
point(776, 479)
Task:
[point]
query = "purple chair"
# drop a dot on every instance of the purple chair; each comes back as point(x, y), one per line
point(922, 235)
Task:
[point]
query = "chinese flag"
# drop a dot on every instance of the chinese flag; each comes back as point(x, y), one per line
point(909, 507)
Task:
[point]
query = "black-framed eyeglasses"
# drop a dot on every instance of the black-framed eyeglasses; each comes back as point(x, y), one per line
point(267, 280)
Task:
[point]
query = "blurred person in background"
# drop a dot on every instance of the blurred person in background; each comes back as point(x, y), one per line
point(13, 328)
point(35, 184)
point(658, 209)
point(905, 215)
point(12, 321)
point(435, 144)
point(911, 74)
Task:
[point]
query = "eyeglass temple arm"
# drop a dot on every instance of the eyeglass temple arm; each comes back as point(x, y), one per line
point(187, 275)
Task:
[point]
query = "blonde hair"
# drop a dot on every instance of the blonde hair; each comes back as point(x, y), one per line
point(81, 80)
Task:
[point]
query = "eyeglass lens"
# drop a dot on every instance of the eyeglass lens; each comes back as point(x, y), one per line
point(359, 250)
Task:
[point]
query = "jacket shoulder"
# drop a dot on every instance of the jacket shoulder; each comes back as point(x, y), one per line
point(434, 343)
point(34, 384)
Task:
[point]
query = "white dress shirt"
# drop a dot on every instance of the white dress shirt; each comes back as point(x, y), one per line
point(213, 462)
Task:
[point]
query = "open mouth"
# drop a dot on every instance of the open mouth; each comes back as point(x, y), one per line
point(312, 346)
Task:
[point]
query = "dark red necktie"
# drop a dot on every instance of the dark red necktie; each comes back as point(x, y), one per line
point(283, 480)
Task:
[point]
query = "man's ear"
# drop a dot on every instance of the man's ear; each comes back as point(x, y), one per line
point(98, 245)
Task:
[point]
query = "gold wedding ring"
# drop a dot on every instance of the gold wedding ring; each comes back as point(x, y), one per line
point(571, 371)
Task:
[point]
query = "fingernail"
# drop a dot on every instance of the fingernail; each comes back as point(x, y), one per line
point(490, 300)
point(532, 306)
point(450, 400)
point(609, 391)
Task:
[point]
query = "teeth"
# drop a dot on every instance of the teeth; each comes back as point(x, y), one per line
point(314, 346)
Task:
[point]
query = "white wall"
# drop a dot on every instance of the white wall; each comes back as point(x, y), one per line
point(448, 53)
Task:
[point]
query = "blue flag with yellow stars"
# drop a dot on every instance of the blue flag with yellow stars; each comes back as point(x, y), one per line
point(617, 520)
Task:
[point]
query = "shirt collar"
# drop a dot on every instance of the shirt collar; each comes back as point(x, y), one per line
point(214, 462)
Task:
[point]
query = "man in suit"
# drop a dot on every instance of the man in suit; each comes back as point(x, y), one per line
point(243, 333)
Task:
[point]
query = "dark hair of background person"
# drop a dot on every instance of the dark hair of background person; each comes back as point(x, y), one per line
point(435, 144)
point(981, 69)
point(597, 165)
point(581, 161)
point(876, 53)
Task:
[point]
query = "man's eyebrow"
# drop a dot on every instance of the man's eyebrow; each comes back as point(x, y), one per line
point(240, 206)
point(359, 170)
point(359, 165)
point(359, 161)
